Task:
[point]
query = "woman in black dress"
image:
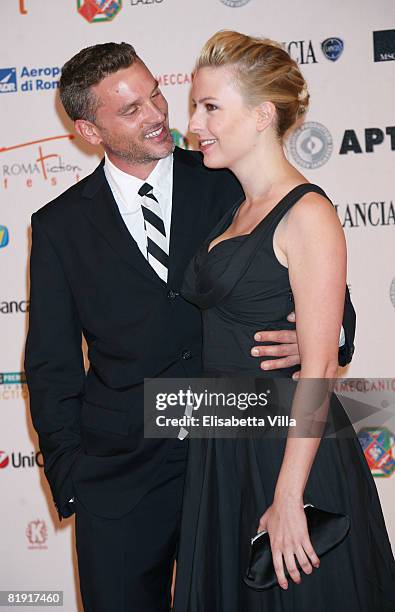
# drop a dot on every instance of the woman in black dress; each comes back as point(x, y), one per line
point(280, 249)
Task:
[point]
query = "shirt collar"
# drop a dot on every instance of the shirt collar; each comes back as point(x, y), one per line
point(158, 179)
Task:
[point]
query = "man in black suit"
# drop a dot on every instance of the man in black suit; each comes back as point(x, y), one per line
point(108, 258)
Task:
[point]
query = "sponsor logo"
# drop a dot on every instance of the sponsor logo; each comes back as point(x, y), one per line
point(392, 292)
point(19, 460)
point(302, 51)
point(8, 83)
point(332, 48)
point(37, 534)
point(96, 11)
point(367, 214)
point(4, 459)
point(14, 307)
point(179, 139)
point(372, 138)
point(364, 385)
point(305, 51)
point(311, 145)
point(235, 3)
point(384, 45)
point(30, 79)
point(13, 386)
point(378, 444)
point(12, 378)
point(38, 161)
point(174, 78)
point(4, 236)
point(136, 2)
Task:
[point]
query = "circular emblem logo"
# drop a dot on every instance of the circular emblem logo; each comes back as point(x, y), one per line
point(378, 444)
point(392, 292)
point(332, 48)
point(235, 3)
point(311, 145)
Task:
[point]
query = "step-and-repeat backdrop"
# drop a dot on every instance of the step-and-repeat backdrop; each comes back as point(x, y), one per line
point(347, 145)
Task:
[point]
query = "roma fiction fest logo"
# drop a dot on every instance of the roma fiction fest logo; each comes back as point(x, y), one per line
point(13, 386)
point(384, 45)
point(97, 11)
point(14, 307)
point(378, 444)
point(367, 214)
point(43, 160)
point(19, 460)
point(305, 51)
point(4, 236)
point(26, 79)
point(37, 535)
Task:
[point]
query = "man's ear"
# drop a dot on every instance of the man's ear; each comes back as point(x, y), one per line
point(266, 113)
point(88, 131)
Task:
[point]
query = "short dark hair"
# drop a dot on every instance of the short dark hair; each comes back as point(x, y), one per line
point(90, 66)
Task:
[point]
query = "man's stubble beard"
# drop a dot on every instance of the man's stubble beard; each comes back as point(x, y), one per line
point(133, 152)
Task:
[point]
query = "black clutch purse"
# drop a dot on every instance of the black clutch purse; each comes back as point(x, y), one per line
point(326, 530)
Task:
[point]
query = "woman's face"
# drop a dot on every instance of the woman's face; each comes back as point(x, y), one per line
point(225, 126)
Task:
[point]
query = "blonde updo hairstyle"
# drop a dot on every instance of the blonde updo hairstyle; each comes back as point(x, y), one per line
point(264, 72)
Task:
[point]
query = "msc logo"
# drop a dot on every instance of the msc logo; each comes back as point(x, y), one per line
point(378, 444)
point(384, 45)
point(4, 236)
point(8, 80)
point(37, 534)
point(311, 145)
point(99, 10)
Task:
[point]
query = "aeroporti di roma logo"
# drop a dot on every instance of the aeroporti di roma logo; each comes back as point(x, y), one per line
point(95, 11)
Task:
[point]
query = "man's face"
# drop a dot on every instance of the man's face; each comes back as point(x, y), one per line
point(132, 118)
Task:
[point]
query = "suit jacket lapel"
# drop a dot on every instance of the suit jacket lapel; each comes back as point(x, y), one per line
point(185, 215)
point(102, 211)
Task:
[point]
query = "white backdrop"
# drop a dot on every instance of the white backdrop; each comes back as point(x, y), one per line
point(347, 145)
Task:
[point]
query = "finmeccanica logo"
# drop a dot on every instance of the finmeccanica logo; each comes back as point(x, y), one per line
point(95, 11)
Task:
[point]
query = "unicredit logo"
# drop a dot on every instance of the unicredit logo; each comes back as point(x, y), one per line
point(21, 460)
point(4, 459)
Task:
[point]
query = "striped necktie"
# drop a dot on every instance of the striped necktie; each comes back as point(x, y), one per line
point(157, 249)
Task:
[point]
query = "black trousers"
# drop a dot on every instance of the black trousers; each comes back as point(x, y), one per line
point(126, 564)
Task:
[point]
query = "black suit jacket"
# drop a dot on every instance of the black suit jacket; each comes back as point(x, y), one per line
point(89, 277)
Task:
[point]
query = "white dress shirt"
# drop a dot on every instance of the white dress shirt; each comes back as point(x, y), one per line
point(125, 189)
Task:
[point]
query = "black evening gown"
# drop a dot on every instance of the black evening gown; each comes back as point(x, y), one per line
point(241, 287)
